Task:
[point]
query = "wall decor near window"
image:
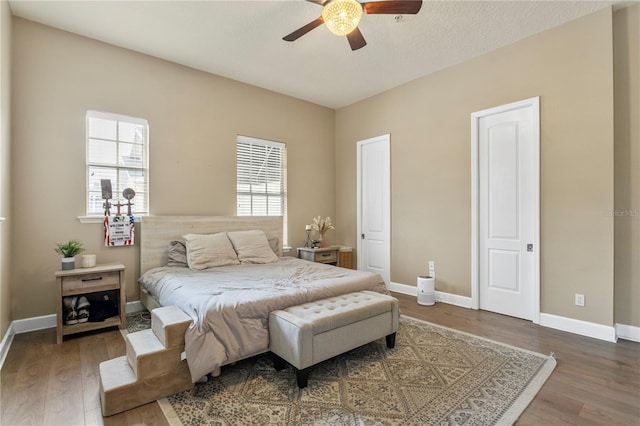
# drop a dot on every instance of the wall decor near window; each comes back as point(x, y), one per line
point(119, 230)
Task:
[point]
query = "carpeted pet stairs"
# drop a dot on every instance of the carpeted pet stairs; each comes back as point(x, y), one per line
point(152, 367)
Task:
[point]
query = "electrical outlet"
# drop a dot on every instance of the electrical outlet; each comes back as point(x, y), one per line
point(579, 299)
point(432, 265)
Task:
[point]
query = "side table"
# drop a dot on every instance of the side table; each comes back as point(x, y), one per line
point(88, 281)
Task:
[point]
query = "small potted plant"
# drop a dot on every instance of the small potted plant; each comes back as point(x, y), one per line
point(69, 251)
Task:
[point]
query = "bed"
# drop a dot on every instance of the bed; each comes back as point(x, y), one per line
point(230, 304)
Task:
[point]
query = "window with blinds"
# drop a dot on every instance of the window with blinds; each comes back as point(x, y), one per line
point(117, 149)
point(261, 173)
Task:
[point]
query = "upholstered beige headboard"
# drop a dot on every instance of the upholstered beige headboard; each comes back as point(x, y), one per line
point(156, 232)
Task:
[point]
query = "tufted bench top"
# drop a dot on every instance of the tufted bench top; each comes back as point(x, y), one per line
point(338, 311)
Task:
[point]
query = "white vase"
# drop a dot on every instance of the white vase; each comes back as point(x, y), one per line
point(68, 263)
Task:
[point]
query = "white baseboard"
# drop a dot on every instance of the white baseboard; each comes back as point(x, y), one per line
point(6, 344)
point(409, 290)
point(583, 328)
point(453, 299)
point(449, 298)
point(49, 321)
point(628, 332)
point(33, 324)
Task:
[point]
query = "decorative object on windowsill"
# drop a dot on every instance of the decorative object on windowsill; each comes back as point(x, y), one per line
point(119, 229)
point(128, 195)
point(69, 251)
point(105, 184)
point(307, 242)
point(321, 226)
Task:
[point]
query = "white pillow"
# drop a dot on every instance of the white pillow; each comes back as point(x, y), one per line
point(209, 250)
point(252, 247)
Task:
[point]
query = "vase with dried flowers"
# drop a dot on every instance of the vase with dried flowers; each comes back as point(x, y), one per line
point(321, 226)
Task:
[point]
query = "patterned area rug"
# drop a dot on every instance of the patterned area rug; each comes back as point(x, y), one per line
point(434, 376)
point(139, 320)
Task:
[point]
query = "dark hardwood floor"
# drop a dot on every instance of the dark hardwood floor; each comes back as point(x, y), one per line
point(594, 382)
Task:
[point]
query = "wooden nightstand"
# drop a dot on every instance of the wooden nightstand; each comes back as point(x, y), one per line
point(319, 255)
point(107, 279)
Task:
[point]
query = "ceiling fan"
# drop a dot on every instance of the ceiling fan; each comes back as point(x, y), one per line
point(342, 17)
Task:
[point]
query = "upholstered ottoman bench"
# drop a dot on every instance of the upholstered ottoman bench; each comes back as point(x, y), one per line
point(307, 334)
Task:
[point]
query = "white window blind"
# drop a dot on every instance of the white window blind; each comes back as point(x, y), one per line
point(117, 149)
point(262, 178)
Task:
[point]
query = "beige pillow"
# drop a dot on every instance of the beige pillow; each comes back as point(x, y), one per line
point(177, 254)
point(252, 247)
point(274, 243)
point(209, 250)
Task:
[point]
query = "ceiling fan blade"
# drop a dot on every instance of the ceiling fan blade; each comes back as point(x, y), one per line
point(320, 2)
point(392, 7)
point(356, 40)
point(303, 30)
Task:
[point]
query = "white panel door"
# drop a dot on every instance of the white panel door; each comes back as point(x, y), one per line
point(374, 225)
point(507, 211)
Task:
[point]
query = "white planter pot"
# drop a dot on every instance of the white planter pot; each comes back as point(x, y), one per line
point(68, 263)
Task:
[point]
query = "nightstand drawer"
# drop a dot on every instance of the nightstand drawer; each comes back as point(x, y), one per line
point(77, 284)
point(325, 256)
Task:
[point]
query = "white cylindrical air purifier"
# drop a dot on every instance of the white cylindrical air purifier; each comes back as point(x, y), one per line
point(426, 290)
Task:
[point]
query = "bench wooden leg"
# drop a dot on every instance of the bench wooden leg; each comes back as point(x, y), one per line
point(278, 363)
point(302, 376)
point(391, 340)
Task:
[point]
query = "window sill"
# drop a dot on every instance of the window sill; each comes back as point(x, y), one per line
point(100, 219)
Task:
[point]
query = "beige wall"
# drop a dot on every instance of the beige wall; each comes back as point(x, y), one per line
point(626, 37)
point(194, 118)
point(570, 68)
point(5, 153)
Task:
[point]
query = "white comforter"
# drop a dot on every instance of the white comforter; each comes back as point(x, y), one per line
point(230, 305)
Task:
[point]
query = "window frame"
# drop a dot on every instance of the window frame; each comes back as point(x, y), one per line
point(92, 217)
point(240, 139)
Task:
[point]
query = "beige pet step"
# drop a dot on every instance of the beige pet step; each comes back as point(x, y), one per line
point(169, 324)
point(148, 357)
point(152, 368)
point(120, 390)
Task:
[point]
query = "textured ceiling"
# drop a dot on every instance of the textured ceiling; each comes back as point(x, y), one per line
point(242, 40)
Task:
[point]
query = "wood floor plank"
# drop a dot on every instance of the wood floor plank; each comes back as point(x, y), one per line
point(24, 382)
point(594, 383)
point(64, 404)
point(93, 351)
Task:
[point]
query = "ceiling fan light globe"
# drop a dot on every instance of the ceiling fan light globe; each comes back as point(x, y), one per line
point(342, 16)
